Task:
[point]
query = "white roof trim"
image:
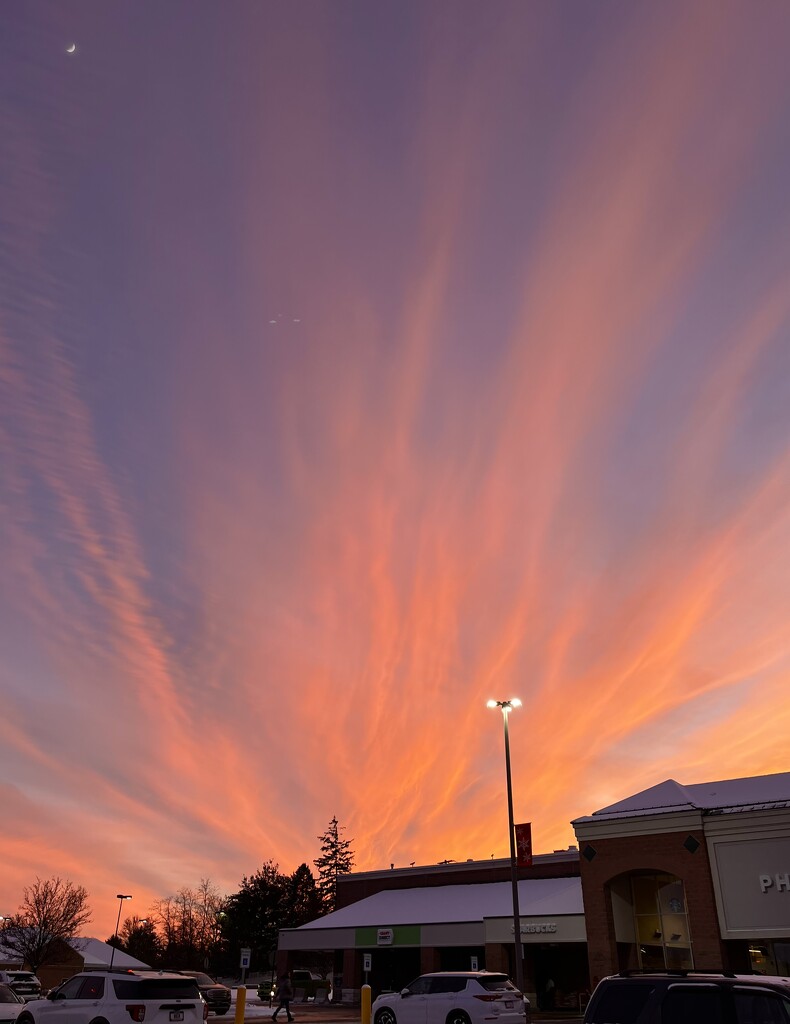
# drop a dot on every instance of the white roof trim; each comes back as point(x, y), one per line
point(725, 797)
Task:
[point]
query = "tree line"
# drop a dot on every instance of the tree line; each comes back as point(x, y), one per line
point(195, 928)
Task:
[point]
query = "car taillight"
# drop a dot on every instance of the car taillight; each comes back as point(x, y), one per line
point(205, 1011)
point(488, 997)
point(136, 1011)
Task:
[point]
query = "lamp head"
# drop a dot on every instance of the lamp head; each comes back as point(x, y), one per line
point(120, 896)
point(505, 705)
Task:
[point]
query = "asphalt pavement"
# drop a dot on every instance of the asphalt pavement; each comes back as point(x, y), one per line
point(258, 1012)
point(326, 1013)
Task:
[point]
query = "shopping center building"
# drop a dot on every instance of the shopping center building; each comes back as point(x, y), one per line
point(690, 876)
point(675, 876)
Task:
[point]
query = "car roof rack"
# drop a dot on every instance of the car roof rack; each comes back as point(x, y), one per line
point(675, 972)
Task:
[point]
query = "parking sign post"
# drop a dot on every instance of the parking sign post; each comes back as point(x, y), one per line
point(244, 963)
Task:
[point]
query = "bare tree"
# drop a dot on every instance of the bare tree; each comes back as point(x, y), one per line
point(188, 923)
point(53, 911)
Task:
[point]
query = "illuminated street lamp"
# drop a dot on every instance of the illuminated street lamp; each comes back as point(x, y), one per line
point(506, 706)
point(120, 897)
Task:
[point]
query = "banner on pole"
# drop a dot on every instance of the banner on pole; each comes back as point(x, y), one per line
point(524, 845)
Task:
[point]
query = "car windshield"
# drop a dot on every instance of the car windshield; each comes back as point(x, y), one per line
point(156, 988)
point(497, 983)
point(7, 995)
point(203, 979)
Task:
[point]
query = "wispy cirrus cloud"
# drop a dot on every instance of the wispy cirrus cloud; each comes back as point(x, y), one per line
point(517, 428)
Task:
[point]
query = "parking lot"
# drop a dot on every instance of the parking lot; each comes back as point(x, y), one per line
point(326, 1013)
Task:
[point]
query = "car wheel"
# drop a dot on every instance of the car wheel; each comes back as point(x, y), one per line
point(386, 1016)
point(99, 1020)
point(24, 1018)
point(457, 1017)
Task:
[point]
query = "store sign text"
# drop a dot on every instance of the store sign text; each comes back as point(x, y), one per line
point(779, 882)
point(537, 929)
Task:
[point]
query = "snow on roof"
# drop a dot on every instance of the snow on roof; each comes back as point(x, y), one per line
point(451, 904)
point(729, 795)
point(97, 954)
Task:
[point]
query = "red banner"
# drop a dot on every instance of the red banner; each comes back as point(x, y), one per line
point(524, 845)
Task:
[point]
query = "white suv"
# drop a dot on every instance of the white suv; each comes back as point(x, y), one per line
point(453, 997)
point(120, 997)
point(24, 983)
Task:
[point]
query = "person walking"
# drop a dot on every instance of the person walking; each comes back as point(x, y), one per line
point(285, 994)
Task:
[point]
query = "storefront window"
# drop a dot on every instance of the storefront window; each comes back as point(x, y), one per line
point(661, 921)
point(770, 957)
point(761, 960)
point(782, 958)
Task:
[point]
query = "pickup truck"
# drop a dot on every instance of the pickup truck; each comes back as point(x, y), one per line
point(300, 979)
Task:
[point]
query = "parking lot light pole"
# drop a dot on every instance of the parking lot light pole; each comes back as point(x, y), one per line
point(120, 897)
point(506, 707)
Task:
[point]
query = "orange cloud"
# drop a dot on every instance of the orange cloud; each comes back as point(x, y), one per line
point(429, 482)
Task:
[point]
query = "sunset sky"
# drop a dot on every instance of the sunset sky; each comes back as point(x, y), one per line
point(359, 362)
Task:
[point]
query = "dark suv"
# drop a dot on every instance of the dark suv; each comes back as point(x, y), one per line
point(217, 996)
point(689, 997)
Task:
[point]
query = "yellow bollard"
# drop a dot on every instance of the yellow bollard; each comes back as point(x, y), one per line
point(366, 1004)
point(241, 1000)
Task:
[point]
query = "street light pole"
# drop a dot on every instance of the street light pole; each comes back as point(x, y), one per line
point(120, 897)
point(506, 706)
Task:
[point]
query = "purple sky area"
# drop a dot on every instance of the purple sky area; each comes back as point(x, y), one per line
point(363, 361)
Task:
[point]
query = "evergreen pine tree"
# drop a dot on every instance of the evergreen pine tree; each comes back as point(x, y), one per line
point(337, 858)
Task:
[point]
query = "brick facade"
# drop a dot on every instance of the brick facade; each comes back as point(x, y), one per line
point(658, 852)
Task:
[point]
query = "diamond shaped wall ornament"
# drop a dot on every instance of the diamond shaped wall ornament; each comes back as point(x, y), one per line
point(589, 852)
point(691, 844)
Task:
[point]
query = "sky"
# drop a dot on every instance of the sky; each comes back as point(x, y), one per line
point(363, 362)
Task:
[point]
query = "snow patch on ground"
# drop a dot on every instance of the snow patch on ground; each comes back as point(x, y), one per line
point(253, 1007)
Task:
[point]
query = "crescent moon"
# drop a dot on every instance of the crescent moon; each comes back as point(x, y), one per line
point(72, 48)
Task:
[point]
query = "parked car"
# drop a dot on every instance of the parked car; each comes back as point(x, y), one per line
point(10, 1004)
point(453, 997)
point(666, 997)
point(24, 983)
point(266, 989)
point(216, 995)
point(118, 997)
point(301, 978)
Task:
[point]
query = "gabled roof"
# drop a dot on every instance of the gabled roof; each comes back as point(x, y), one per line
point(451, 904)
point(97, 955)
point(729, 796)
